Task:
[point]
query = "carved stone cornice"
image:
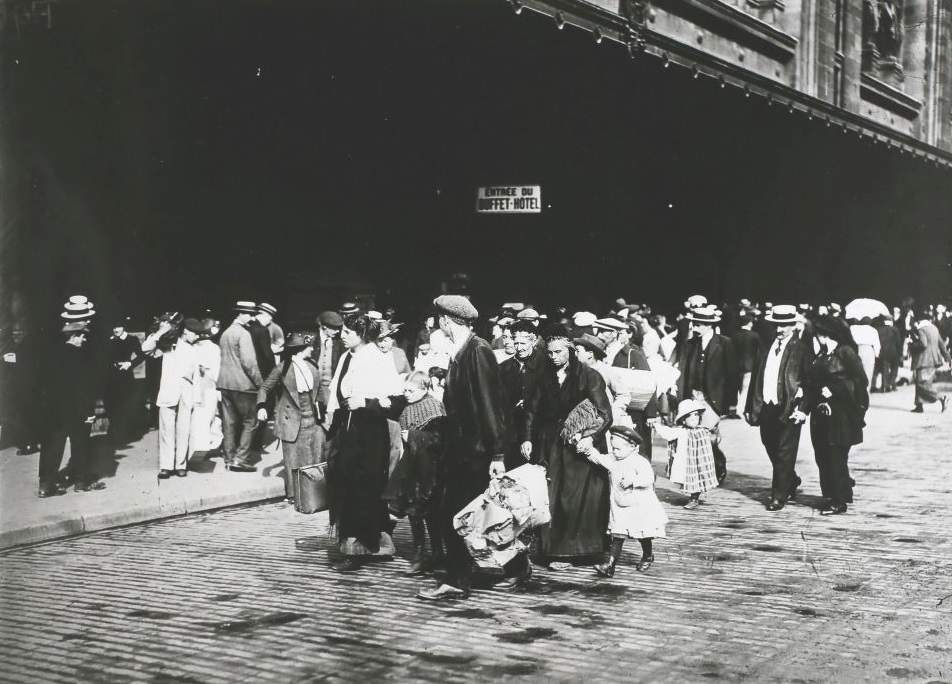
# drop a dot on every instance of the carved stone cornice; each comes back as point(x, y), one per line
point(878, 92)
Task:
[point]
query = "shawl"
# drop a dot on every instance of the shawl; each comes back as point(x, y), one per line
point(415, 416)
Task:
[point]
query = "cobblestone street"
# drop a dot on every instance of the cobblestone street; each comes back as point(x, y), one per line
point(737, 593)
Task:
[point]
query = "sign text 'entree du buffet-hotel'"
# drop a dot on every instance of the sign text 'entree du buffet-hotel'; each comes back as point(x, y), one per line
point(509, 199)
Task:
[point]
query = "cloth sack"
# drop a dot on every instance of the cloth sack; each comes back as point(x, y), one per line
point(640, 385)
point(524, 491)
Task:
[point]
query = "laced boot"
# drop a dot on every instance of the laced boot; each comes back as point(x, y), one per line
point(607, 569)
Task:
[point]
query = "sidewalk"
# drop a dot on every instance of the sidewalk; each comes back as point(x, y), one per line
point(133, 492)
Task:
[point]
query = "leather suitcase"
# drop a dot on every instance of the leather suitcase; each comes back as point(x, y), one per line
point(310, 489)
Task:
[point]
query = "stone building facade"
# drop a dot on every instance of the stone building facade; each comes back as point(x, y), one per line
point(879, 68)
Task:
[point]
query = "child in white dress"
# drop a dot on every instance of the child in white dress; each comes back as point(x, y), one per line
point(690, 449)
point(635, 511)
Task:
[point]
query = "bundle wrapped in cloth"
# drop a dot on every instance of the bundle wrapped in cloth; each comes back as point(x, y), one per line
point(492, 522)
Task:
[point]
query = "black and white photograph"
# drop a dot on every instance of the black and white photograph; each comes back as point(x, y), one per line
point(475, 340)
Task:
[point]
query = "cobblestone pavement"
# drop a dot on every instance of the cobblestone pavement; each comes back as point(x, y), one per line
point(737, 593)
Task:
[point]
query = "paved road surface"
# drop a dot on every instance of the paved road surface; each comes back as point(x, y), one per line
point(737, 593)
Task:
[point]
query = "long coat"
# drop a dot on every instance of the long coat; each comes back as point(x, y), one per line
point(794, 369)
point(287, 407)
point(239, 366)
point(842, 372)
point(578, 490)
point(928, 349)
point(710, 370)
point(518, 382)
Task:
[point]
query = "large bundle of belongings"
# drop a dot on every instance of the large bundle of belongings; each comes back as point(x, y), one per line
point(492, 524)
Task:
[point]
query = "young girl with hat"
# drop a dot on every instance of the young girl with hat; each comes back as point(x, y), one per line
point(635, 511)
point(691, 450)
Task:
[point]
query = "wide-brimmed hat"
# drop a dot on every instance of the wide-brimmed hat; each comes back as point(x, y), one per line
point(388, 329)
point(782, 314)
point(828, 327)
point(592, 343)
point(707, 315)
point(297, 341)
point(78, 308)
point(513, 307)
point(687, 407)
point(245, 306)
point(264, 307)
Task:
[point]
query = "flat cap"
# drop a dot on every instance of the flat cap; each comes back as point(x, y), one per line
point(610, 324)
point(331, 319)
point(626, 433)
point(456, 305)
point(583, 319)
point(194, 325)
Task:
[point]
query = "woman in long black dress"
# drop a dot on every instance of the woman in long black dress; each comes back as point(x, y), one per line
point(578, 490)
point(836, 398)
point(365, 391)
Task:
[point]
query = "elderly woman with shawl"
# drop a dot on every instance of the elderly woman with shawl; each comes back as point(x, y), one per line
point(578, 490)
point(364, 393)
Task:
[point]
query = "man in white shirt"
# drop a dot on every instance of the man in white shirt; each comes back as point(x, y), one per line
point(774, 399)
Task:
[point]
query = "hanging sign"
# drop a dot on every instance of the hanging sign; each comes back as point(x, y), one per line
point(509, 199)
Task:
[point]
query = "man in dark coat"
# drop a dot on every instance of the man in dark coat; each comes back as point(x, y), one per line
point(890, 355)
point(520, 374)
point(707, 369)
point(70, 395)
point(238, 381)
point(476, 439)
point(18, 389)
point(748, 351)
point(774, 399)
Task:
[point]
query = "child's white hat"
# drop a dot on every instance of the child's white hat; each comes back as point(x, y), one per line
point(688, 406)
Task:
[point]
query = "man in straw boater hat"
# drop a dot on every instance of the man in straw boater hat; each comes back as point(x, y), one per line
point(477, 440)
point(238, 380)
point(70, 398)
point(707, 368)
point(773, 401)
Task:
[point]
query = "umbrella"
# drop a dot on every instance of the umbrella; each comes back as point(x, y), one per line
point(859, 309)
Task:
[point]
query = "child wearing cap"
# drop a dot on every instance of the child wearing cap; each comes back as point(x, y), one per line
point(635, 512)
point(413, 482)
point(690, 450)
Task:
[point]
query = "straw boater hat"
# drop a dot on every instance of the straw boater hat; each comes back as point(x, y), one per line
point(583, 319)
point(78, 308)
point(264, 307)
point(707, 315)
point(695, 301)
point(687, 407)
point(348, 308)
point(530, 315)
point(244, 306)
point(609, 324)
point(782, 314)
point(374, 315)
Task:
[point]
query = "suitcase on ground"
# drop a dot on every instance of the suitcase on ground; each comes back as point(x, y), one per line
point(310, 489)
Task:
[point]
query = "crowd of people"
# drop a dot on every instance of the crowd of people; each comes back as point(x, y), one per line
point(416, 423)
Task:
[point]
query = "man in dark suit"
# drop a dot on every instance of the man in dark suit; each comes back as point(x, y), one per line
point(774, 400)
point(707, 364)
point(707, 370)
point(748, 349)
point(477, 438)
point(520, 375)
point(890, 355)
point(328, 349)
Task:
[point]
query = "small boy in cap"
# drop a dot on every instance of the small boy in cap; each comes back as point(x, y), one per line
point(635, 512)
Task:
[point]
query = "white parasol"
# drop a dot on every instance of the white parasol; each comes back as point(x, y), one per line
point(859, 309)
